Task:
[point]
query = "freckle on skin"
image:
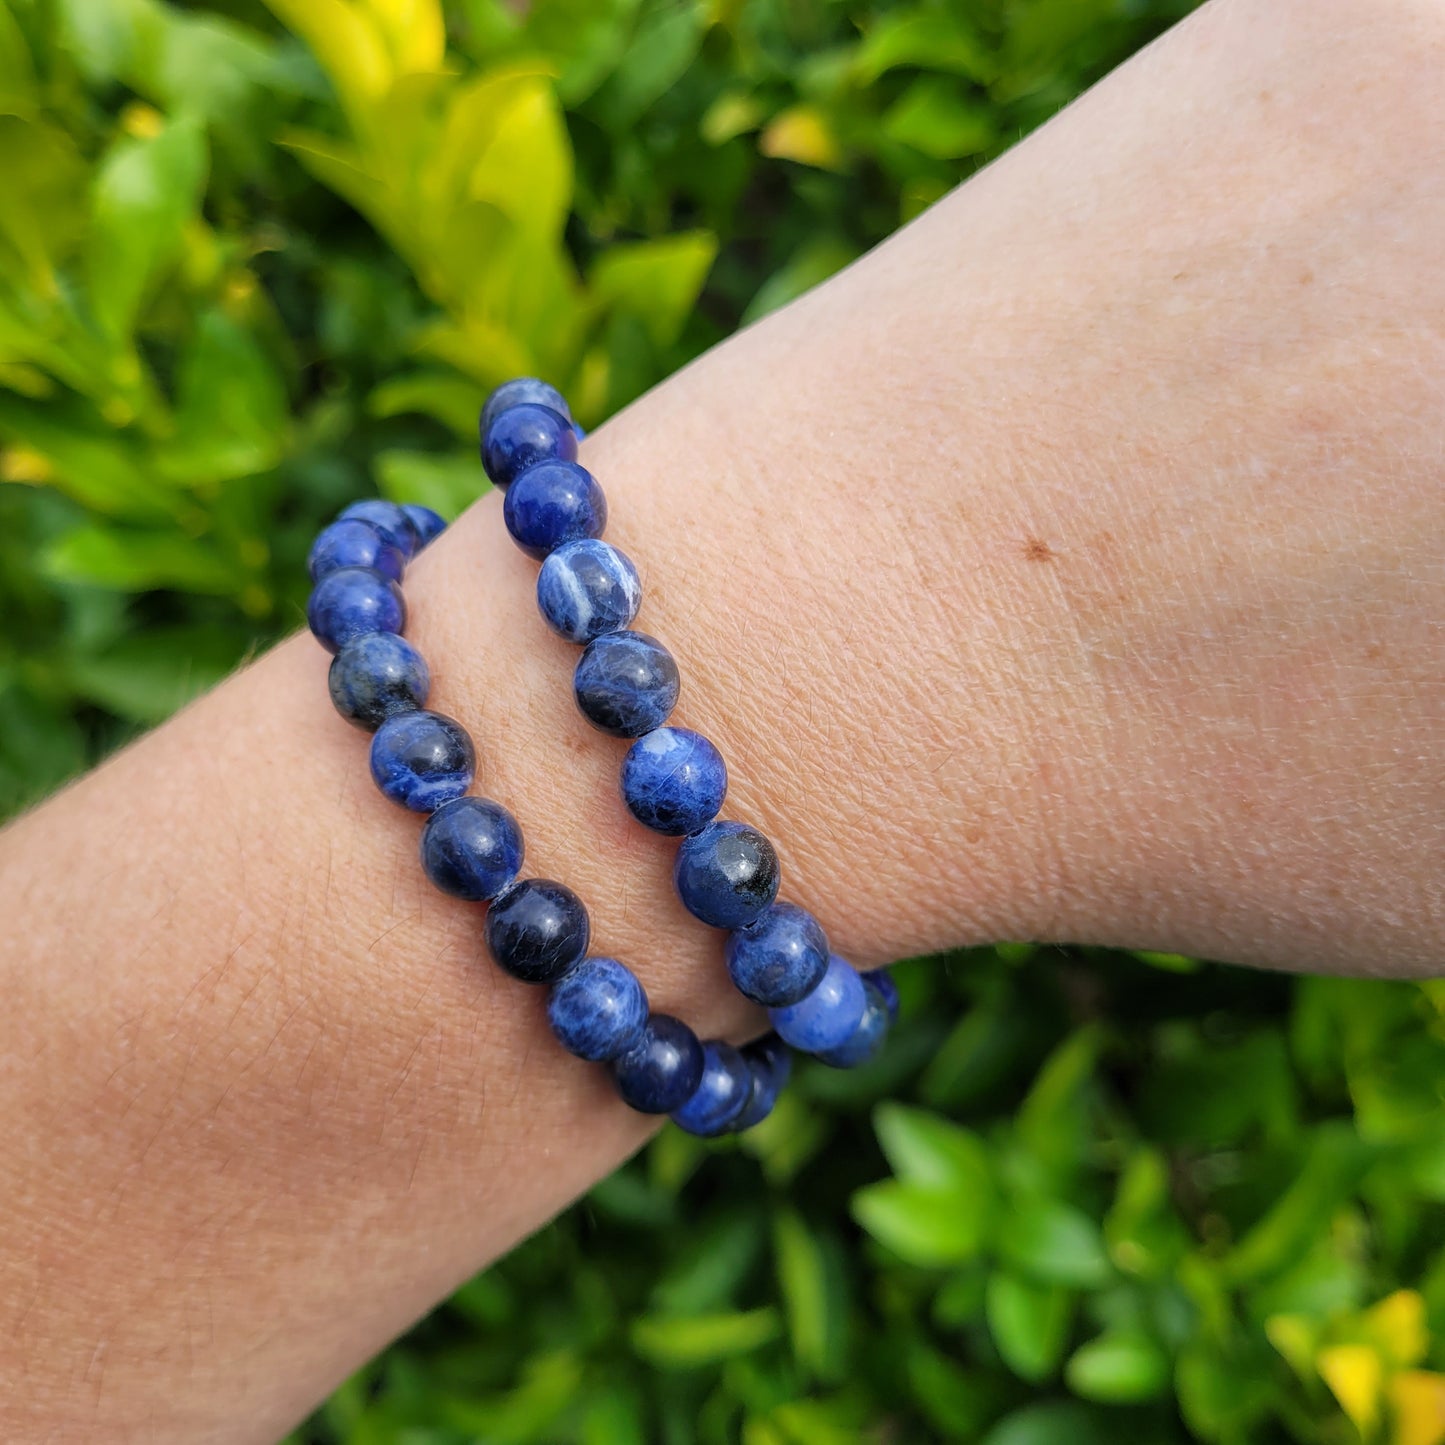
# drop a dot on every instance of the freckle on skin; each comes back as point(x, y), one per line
point(1037, 550)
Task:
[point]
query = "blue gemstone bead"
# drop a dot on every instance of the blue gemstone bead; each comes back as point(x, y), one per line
point(780, 958)
point(354, 543)
point(626, 683)
point(429, 524)
point(522, 436)
point(538, 931)
point(578, 429)
point(524, 391)
point(721, 1094)
point(659, 1073)
point(422, 760)
point(882, 980)
point(472, 848)
point(599, 1010)
point(829, 1016)
point(351, 602)
point(389, 519)
point(770, 1065)
point(376, 676)
point(673, 781)
point(586, 588)
point(552, 503)
point(866, 1039)
point(726, 874)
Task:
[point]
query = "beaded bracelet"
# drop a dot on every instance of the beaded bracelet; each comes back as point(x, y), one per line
point(673, 780)
point(536, 930)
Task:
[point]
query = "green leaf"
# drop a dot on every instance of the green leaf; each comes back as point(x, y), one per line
point(134, 561)
point(930, 41)
point(684, 1344)
point(1055, 1423)
point(927, 1149)
point(149, 675)
point(656, 281)
point(933, 118)
point(807, 267)
point(925, 1226)
point(1030, 1324)
point(659, 51)
point(1118, 1369)
point(1054, 1243)
point(813, 1295)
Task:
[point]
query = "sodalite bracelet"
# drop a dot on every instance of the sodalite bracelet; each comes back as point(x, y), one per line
point(536, 930)
point(673, 780)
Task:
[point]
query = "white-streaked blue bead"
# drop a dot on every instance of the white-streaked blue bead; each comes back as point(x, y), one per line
point(829, 1016)
point(422, 760)
point(866, 1039)
point(673, 781)
point(599, 1010)
point(587, 588)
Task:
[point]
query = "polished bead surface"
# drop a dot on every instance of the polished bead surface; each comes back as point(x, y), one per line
point(472, 848)
point(882, 980)
point(780, 958)
point(829, 1015)
point(769, 1065)
point(866, 1039)
point(389, 519)
point(429, 524)
point(351, 602)
point(354, 543)
point(422, 760)
point(721, 1094)
point(523, 391)
point(521, 437)
point(726, 874)
point(586, 588)
point(552, 503)
point(376, 676)
point(626, 683)
point(673, 781)
point(538, 931)
point(599, 1010)
point(659, 1073)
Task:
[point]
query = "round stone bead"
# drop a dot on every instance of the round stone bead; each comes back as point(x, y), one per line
point(599, 1010)
point(882, 980)
point(522, 436)
point(769, 1064)
point(828, 1017)
point(780, 958)
point(721, 1094)
point(538, 931)
point(472, 848)
point(351, 602)
point(354, 543)
point(660, 1072)
point(673, 781)
point(429, 524)
point(726, 874)
point(552, 503)
point(586, 588)
point(524, 390)
point(626, 683)
point(375, 676)
point(866, 1039)
point(422, 760)
point(389, 519)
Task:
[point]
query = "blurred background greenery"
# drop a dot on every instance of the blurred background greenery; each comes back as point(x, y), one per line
point(257, 262)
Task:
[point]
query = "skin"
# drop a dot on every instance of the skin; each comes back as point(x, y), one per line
point(1068, 568)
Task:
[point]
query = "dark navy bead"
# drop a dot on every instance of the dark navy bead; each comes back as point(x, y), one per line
point(524, 390)
point(829, 1016)
point(538, 931)
point(770, 1065)
point(599, 1010)
point(552, 503)
point(660, 1072)
point(780, 958)
point(389, 519)
point(429, 524)
point(882, 980)
point(866, 1039)
point(586, 588)
point(522, 436)
point(422, 760)
point(354, 543)
point(673, 781)
point(721, 1094)
point(472, 848)
point(726, 874)
point(626, 683)
point(376, 676)
point(351, 602)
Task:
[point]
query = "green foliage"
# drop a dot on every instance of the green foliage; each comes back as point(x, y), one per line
point(253, 262)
